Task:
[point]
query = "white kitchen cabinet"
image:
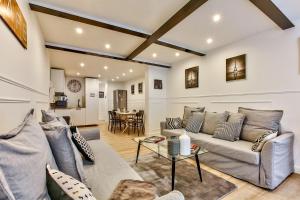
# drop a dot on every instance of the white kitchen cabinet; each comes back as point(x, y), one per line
point(57, 77)
point(91, 101)
point(78, 117)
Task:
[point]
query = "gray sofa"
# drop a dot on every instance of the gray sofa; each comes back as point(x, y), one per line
point(109, 169)
point(266, 169)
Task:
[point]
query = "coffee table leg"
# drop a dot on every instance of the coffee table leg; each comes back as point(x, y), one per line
point(173, 173)
point(138, 152)
point(198, 166)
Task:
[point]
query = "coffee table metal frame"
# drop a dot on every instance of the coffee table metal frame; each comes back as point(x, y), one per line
point(157, 148)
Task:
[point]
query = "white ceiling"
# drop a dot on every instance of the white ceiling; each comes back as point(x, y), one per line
point(70, 62)
point(240, 19)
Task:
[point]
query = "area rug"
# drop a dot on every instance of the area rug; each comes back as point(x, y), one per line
point(158, 171)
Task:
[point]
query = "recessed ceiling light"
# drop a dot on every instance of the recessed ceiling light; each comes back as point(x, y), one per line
point(112, 79)
point(209, 40)
point(131, 70)
point(82, 64)
point(216, 17)
point(177, 54)
point(123, 74)
point(154, 55)
point(79, 30)
point(99, 75)
point(78, 74)
point(105, 67)
point(107, 46)
point(117, 77)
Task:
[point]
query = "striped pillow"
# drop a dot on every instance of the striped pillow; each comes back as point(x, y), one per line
point(195, 122)
point(227, 131)
point(258, 145)
point(173, 123)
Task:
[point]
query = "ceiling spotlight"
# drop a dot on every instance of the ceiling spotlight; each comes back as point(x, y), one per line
point(105, 67)
point(99, 75)
point(131, 70)
point(123, 74)
point(82, 64)
point(209, 40)
point(216, 18)
point(177, 54)
point(154, 55)
point(78, 74)
point(107, 46)
point(79, 30)
point(117, 77)
point(112, 79)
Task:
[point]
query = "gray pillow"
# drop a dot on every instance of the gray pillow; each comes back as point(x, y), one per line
point(237, 118)
point(66, 154)
point(23, 160)
point(195, 122)
point(5, 192)
point(211, 121)
point(48, 116)
point(173, 123)
point(188, 111)
point(258, 121)
point(227, 131)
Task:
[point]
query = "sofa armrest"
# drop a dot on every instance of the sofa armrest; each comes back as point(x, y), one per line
point(90, 133)
point(277, 160)
point(174, 195)
point(163, 126)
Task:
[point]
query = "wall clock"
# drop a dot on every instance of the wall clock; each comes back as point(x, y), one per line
point(74, 85)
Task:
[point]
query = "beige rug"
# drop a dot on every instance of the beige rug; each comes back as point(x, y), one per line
point(158, 171)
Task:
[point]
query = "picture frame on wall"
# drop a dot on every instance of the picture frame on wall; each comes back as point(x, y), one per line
point(132, 89)
point(192, 77)
point(140, 88)
point(158, 84)
point(13, 18)
point(236, 68)
point(101, 95)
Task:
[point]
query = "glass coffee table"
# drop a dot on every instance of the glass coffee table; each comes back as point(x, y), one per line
point(161, 149)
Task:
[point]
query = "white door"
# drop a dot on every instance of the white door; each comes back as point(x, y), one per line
point(91, 101)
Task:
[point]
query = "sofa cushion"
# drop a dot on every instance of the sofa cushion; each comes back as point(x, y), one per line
point(257, 121)
point(23, 160)
point(66, 154)
point(239, 150)
point(211, 121)
point(227, 131)
point(109, 169)
point(62, 186)
point(237, 118)
point(188, 111)
point(173, 123)
point(5, 192)
point(195, 122)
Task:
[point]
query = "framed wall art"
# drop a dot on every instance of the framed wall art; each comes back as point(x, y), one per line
point(140, 88)
point(132, 89)
point(236, 68)
point(158, 84)
point(192, 77)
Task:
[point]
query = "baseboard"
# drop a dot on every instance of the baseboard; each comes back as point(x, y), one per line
point(297, 169)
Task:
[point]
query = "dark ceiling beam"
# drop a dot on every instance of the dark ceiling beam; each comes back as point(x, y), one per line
point(87, 52)
point(119, 29)
point(274, 13)
point(180, 15)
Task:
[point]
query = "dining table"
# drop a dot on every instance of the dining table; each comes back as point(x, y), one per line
point(126, 116)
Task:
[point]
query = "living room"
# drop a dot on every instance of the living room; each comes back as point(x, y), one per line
point(217, 83)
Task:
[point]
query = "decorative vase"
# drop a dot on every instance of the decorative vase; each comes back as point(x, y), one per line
point(173, 146)
point(185, 144)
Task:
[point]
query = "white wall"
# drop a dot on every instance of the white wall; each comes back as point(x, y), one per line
point(273, 79)
point(73, 97)
point(135, 101)
point(24, 74)
point(155, 100)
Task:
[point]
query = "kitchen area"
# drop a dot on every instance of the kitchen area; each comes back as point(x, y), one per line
point(76, 97)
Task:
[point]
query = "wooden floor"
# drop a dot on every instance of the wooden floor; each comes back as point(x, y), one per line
point(289, 190)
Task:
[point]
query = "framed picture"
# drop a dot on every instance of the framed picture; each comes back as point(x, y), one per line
point(132, 89)
point(192, 77)
point(158, 84)
point(101, 94)
point(12, 16)
point(140, 88)
point(236, 68)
